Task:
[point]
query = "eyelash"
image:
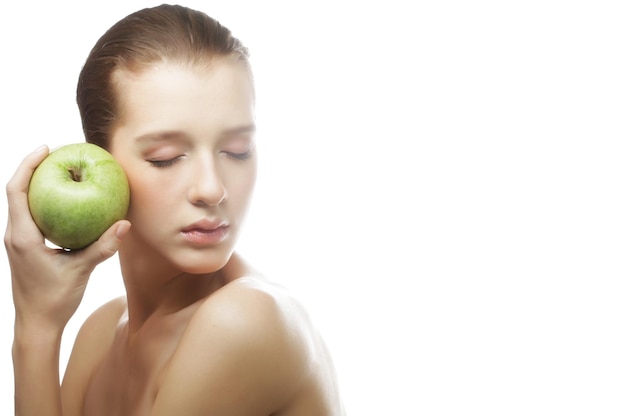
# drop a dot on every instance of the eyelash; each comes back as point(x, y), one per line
point(170, 162)
point(164, 163)
point(239, 156)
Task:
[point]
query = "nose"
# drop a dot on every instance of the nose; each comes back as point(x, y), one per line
point(207, 187)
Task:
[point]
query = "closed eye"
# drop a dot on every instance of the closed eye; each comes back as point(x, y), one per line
point(239, 156)
point(164, 163)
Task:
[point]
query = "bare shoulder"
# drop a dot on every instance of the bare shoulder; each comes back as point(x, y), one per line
point(107, 315)
point(249, 349)
point(97, 332)
point(249, 306)
point(92, 342)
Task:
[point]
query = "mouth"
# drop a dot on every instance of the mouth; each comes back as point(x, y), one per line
point(206, 232)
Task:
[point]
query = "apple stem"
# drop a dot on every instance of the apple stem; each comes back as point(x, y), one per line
point(76, 174)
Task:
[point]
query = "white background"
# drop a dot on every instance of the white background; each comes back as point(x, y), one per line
point(442, 183)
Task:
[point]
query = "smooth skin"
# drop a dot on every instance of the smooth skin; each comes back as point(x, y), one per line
point(199, 332)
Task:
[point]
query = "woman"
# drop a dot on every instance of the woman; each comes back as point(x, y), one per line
point(169, 92)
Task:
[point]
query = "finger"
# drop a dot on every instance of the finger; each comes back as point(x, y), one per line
point(17, 190)
point(106, 246)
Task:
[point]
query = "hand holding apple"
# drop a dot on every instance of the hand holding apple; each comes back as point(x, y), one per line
point(76, 194)
point(47, 287)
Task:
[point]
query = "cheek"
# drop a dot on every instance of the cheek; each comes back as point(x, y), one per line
point(242, 188)
point(147, 195)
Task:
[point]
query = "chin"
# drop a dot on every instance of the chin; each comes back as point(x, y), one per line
point(200, 270)
point(203, 263)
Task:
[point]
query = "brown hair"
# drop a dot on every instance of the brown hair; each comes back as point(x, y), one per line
point(165, 32)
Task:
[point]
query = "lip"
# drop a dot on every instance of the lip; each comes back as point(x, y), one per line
point(206, 232)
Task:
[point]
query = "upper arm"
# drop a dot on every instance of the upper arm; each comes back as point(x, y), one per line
point(243, 353)
point(92, 342)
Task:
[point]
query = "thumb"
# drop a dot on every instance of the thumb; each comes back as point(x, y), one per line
point(107, 245)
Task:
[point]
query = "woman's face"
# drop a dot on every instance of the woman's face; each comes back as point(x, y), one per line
point(185, 139)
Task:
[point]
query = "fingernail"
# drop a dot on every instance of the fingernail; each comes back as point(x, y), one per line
point(122, 229)
point(40, 148)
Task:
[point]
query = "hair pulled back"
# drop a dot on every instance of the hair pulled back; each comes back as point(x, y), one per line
point(163, 33)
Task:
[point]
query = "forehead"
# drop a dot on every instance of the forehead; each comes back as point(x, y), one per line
point(218, 91)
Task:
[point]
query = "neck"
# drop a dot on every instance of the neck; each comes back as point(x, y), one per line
point(155, 288)
point(167, 297)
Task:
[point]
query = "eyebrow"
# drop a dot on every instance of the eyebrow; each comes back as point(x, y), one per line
point(174, 134)
point(248, 128)
point(159, 136)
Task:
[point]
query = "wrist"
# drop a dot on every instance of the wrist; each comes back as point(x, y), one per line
point(36, 351)
point(34, 333)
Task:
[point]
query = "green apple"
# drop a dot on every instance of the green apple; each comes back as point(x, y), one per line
point(76, 193)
